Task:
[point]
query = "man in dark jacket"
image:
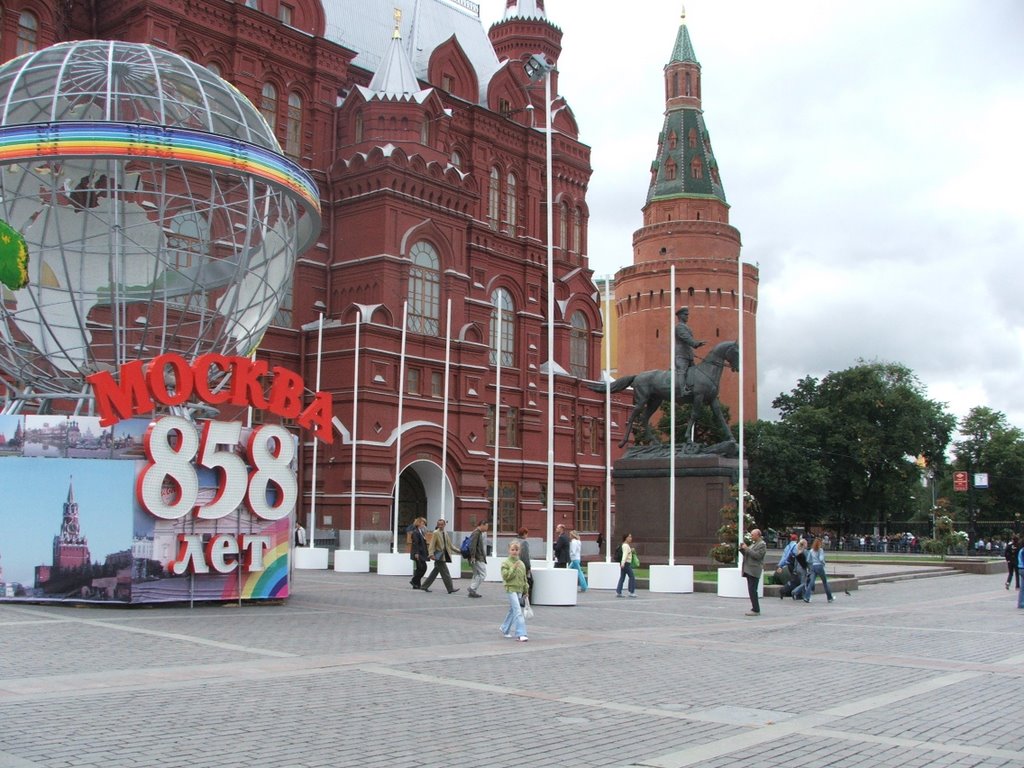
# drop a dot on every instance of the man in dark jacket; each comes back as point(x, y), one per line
point(561, 547)
point(478, 557)
point(418, 550)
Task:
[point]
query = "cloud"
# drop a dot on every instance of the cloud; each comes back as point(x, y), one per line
point(871, 155)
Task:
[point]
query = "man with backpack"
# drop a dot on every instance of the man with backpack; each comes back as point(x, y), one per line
point(785, 571)
point(477, 556)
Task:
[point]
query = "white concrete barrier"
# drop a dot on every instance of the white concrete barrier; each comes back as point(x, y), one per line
point(310, 558)
point(352, 560)
point(602, 575)
point(671, 578)
point(554, 586)
point(394, 564)
point(494, 568)
point(732, 583)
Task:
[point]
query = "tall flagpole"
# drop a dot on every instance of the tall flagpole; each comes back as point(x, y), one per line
point(607, 420)
point(355, 427)
point(551, 322)
point(672, 423)
point(316, 440)
point(740, 483)
point(444, 421)
point(401, 403)
point(497, 422)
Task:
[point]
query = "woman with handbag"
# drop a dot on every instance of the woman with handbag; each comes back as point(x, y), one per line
point(626, 566)
point(513, 574)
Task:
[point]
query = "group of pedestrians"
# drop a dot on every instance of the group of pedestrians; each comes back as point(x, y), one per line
point(800, 566)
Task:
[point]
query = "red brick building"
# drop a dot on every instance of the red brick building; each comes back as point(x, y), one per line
point(427, 141)
point(686, 224)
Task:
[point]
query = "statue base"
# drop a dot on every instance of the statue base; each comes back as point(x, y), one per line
point(703, 485)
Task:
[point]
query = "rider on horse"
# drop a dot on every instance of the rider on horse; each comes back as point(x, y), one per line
point(685, 344)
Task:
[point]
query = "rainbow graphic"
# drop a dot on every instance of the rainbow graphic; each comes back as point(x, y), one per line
point(272, 581)
point(139, 141)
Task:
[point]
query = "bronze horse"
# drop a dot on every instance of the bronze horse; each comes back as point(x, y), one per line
point(652, 388)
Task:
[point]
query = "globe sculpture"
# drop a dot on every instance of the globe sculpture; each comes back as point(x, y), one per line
point(158, 212)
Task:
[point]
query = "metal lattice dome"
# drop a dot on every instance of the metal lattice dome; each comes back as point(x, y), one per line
point(159, 213)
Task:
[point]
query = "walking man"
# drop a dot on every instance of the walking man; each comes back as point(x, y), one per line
point(478, 557)
point(441, 553)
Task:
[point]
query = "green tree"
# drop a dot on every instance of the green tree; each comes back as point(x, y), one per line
point(864, 427)
point(786, 476)
point(990, 445)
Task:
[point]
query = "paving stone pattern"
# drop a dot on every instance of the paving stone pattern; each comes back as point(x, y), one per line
point(359, 670)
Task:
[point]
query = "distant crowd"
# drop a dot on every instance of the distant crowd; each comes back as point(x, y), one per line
point(867, 542)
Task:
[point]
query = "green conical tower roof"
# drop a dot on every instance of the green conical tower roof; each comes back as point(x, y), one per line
point(685, 165)
point(683, 50)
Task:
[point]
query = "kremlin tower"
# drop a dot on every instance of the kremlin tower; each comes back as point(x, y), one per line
point(686, 224)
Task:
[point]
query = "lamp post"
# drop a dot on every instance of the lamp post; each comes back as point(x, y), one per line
point(537, 67)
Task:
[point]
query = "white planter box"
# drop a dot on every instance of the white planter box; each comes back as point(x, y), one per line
point(732, 583)
point(352, 560)
point(310, 558)
point(671, 578)
point(602, 575)
point(394, 564)
point(554, 586)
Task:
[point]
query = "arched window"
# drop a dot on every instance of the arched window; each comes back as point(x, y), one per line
point(424, 289)
point(563, 226)
point(697, 168)
point(577, 231)
point(510, 203)
point(359, 127)
point(579, 345)
point(501, 301)
point(293, 133)
point(456, 158)
point(493, 198)
point(214, 67)
point(268, 105)
point(28, 32)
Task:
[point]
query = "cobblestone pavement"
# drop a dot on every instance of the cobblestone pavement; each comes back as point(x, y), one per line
point(361, 670)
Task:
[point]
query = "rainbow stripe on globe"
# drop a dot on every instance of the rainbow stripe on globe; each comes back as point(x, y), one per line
point(138, 141)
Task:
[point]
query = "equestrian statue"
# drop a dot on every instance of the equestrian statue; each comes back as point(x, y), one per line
point(652, 388)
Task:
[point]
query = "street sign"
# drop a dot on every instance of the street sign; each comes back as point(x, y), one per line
point(959, 481)
point(981, 479)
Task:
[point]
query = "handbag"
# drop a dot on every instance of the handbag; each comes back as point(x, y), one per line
point(635, 562)
point(527, 610)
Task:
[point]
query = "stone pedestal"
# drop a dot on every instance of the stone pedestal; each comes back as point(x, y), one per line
point(702, 489)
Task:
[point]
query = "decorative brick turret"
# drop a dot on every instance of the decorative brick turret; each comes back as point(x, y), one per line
point(686, 224)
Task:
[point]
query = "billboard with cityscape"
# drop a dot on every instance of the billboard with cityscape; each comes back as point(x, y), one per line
point(77, 523)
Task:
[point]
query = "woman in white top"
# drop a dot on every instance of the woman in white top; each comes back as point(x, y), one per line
point(575, 553)
point(626, 566)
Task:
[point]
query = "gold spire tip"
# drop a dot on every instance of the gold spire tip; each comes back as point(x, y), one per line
point(397, 34)
point(682, 16)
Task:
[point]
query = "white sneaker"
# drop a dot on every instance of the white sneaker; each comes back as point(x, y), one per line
point(522, 639)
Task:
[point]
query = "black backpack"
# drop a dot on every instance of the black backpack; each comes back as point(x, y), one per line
point(618, 554)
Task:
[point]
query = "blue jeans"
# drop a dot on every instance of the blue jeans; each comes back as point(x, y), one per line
point(579, 571)
point(801, 589)
point(1020, 595)
point(628, 570)
point(514, 616)
point(816, 570)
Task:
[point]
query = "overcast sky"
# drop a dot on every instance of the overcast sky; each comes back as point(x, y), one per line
point(871, 153)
